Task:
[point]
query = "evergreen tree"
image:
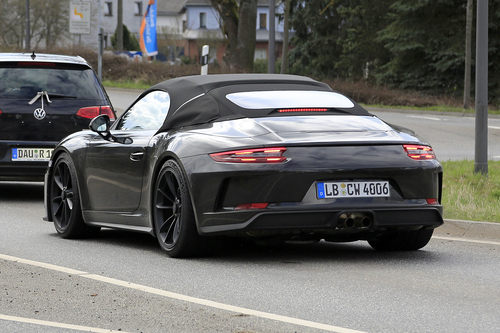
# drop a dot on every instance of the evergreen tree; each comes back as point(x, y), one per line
point(130, 42)
point(427, 42)
point(338, 38)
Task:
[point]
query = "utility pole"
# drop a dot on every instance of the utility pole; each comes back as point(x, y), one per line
point(481, 151)
point(28, 41)
point(272, 36)
point(119, 28)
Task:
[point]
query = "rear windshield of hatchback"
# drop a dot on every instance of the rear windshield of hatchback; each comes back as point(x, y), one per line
point(26, 82)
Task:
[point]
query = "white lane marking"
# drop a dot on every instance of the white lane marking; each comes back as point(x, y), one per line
point(424, 117)
point(467, 240)
point(194, 300)
point(42, 265)
point(494, 127)
point(54, 324)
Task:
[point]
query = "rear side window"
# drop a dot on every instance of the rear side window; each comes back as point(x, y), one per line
point(26, 82)
point(146, 114)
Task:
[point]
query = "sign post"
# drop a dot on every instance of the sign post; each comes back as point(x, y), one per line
point(79, 17)
point(204, 60)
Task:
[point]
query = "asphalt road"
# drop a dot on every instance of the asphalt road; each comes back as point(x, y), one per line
point(123, 282)
point(451, 136)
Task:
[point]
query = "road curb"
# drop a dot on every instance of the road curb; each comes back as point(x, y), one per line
point(469, 229)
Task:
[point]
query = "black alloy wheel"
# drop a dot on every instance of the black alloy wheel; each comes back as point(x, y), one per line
point(174, 220)
point(64, 200)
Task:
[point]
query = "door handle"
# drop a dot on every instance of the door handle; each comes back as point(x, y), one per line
point(136, 156)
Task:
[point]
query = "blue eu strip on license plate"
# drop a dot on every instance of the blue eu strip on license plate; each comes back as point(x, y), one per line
point(370, 189)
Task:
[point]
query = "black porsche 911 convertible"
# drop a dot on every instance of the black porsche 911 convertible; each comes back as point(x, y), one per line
point(197, 159)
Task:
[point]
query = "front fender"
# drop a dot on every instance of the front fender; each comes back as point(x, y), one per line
point(74, 145)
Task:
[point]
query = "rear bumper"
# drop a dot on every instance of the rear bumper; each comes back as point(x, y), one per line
point(22, 170)
point(321, 223)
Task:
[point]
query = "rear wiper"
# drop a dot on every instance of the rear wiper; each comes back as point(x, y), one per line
point(60, 96)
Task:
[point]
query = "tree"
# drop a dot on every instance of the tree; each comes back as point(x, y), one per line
point(12, 17)
point(426, 39)
point(337, 38)
point(286, 28)
point(239, 26)
point(468, 54)
point(50, 21)
point(130, 43)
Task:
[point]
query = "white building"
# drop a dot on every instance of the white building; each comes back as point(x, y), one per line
point(181, 26)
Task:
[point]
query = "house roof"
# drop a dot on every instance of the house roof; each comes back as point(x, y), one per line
point(170, 7)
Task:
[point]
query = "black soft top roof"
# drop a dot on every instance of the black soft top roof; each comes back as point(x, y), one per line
point(202, 98)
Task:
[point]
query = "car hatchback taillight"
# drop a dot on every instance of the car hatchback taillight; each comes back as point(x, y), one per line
point(93, 111)
point(420, 152)
point(260, 155)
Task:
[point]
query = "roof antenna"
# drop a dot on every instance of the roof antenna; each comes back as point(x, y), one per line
point(33, 56)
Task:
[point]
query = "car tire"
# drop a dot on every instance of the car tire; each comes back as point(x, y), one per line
point(402, 240)
point(64, 201)
point(174, 220)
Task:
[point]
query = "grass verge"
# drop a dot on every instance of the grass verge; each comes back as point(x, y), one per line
point(469, 196)
point(125, 85)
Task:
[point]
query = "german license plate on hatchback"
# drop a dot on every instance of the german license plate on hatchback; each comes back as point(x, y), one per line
point(370, 189)
point(31, 154)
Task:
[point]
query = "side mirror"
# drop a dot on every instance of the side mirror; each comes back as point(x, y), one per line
point(100, 124)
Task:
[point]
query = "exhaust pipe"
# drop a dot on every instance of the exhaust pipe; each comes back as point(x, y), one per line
point(346, 221)
point(351, 220)
point(363, 221)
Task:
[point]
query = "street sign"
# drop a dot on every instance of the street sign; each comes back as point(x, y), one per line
point(79, 17)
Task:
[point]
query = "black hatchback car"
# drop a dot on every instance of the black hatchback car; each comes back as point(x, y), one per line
point(43, 98)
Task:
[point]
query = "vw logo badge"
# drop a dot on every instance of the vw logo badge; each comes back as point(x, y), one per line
point(39, 113)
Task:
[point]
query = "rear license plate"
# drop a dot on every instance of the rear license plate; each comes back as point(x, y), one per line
point(353, 189)
point(31, 154)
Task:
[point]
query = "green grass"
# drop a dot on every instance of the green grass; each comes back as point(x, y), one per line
point(125, 85)
point(469, 196)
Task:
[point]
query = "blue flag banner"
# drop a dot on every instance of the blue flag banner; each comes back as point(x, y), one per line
point(149, 46)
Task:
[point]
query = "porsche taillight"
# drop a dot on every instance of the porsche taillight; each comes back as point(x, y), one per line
point(93, 111)
point(260, 155)
point(420, 152)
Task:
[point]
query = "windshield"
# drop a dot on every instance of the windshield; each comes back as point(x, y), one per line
point(289, 99)
point(26, 82)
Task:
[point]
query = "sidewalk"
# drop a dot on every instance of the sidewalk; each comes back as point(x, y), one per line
point(469, 229)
